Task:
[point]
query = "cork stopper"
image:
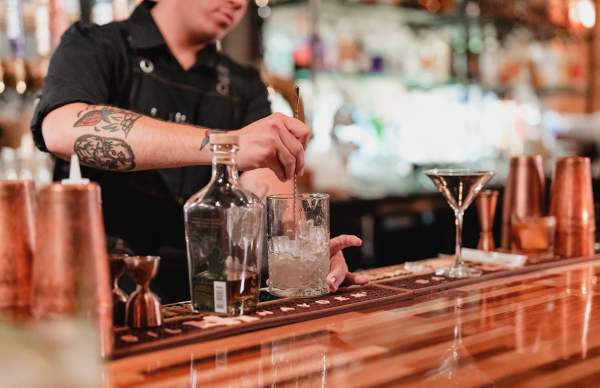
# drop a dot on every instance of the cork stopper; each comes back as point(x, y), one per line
point(223, 139)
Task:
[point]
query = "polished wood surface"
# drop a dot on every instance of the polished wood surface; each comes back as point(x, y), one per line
point(539, 330)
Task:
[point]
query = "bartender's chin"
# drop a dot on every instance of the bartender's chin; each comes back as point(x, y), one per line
point(221, 31)
point(208, 37)
point(215, 33)
point(209, 32)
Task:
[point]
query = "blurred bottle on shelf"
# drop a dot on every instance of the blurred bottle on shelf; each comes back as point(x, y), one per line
point(15, 33)
point(9, 163)
point(26, 162)
point(101, 12)
point(105, 11)
point(58, 21)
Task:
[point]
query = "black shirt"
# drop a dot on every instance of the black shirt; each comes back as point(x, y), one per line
point(128, 64)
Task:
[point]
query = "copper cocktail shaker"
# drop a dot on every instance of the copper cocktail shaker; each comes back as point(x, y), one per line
point(572, 204)
point(17, 203)
point(486, 210)
point(524, 194)
point(70, 271)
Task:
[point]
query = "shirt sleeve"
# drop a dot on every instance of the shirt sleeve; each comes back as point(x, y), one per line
point(257, 97)
point(80, 70)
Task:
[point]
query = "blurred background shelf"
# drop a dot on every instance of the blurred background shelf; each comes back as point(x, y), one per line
point(393, 87)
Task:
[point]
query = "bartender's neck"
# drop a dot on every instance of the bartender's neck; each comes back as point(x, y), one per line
point(183, 45)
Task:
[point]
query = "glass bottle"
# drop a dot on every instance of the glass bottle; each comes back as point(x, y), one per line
point(224, 233)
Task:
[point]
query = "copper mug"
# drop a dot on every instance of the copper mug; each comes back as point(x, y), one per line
point(17, 207)
point(572, 204)
point(524, 193)
point(70, 270)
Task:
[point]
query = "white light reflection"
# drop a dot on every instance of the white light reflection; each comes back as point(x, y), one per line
point(264, 12)
point(586, 325)
point(582, 13)
point(21, 87)
point(193, 372)
point(587, 14)
point(531, 114)
point(585, 216)
point(520, 328)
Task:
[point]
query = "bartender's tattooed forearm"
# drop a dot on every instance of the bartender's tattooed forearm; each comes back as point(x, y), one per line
point(106, 118)
point(106, 153)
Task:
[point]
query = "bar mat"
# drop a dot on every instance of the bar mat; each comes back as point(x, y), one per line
point(429, 282)
point(182, 326)
point(400, 270)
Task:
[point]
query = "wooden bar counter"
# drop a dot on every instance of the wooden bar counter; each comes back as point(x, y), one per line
point(538, 329)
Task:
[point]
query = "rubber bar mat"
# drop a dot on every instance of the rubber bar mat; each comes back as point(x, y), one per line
point(182, 326)
point(429, 282)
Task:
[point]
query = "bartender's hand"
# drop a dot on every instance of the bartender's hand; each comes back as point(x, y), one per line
point(338, 272)
point(275, 142)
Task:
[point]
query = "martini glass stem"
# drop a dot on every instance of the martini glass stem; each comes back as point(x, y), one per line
point(458, 221)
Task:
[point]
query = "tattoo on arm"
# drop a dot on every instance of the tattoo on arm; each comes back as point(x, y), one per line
point(106, 153)
point(105, 118)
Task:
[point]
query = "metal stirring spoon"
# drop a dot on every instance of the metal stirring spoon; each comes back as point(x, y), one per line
point(296, 116)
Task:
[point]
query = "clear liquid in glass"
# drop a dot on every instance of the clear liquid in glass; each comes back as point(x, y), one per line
point(298, 244)
point(299, 272)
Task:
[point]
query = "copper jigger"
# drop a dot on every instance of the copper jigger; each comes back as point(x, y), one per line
point(70, 268)
point(572, 204)
point(17, 207)
point(119, 297)
point(524, 194)
point(486, 210)
point(143, 306)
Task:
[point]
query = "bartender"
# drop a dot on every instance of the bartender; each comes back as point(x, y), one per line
point(136, 100)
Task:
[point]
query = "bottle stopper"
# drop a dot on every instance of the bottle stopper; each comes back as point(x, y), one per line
point(224, 139)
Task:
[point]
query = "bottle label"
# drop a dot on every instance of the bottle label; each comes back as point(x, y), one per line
point(220, 293)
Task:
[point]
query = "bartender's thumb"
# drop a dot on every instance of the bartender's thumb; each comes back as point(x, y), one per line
point(337, 272)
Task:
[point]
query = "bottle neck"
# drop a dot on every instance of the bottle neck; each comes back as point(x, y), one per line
point(224, 165)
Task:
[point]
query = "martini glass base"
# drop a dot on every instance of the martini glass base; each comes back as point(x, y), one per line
point(458, 272)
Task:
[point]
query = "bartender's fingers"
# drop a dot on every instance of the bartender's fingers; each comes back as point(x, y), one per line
point(296, 149)
point(343, 241)
point(356, 278)
point(337, 271)
point(276, 165)
point(297, 128)
point(286, 159)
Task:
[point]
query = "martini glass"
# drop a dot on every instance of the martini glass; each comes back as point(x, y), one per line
point(459, 187)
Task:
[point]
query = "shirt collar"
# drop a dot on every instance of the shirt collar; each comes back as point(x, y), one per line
point(145, 34)
point(144, 31)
